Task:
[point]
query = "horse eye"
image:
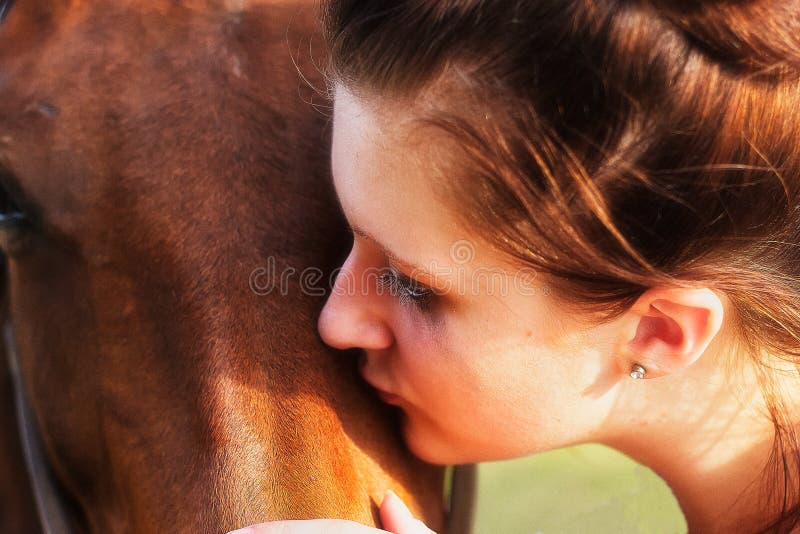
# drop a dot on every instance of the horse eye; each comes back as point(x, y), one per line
point(13, 219)
point(10, 214)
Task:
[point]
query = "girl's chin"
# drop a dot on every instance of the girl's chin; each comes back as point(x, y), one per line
point(430, 447)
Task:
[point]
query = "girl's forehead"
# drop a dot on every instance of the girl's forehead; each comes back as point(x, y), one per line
point(378, 135)
point(388, 189)
point(392, 114)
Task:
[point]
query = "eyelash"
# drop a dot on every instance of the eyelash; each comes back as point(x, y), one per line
point(408, 291)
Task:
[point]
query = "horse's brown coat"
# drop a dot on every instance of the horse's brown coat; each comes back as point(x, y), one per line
point(166, 150)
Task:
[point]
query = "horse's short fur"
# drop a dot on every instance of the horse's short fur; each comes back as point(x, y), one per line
point(165, 151)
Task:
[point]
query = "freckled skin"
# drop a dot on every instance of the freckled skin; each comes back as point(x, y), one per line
point(486, 376)
point(472, 376)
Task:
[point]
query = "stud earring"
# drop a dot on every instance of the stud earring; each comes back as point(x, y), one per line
point(637, 371)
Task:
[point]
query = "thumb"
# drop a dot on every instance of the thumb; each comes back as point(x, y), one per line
point(397, 518)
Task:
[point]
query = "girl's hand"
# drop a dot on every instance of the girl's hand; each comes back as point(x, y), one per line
point(395, 517)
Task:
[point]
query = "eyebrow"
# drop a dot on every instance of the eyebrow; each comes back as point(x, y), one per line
point(416, 269)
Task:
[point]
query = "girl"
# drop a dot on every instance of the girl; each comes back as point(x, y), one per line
point(577, 221)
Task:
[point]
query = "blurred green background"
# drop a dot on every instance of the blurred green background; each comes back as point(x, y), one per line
point(588, 489)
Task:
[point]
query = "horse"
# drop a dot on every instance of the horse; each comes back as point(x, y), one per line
point(169, 231)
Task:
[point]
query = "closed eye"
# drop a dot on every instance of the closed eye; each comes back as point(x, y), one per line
point(405, 289)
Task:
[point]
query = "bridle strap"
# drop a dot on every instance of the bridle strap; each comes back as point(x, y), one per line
point(49, 505)
point(461, 504)
point(52, 515)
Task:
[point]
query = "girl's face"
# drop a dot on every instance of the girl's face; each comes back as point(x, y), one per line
point(475, 353)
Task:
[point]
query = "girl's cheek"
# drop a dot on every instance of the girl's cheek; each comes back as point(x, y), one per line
point(422, 343)
point(411, 353)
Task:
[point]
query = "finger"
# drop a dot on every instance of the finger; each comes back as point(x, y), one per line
point(311, 526)
point(397, 518)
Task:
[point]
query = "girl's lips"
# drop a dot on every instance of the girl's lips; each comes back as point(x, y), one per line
point(385, 396)
point(388, 398)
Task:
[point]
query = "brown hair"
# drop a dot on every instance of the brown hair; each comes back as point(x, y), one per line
point(615, 145)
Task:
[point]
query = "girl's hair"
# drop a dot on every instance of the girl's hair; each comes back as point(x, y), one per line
point(614, 145)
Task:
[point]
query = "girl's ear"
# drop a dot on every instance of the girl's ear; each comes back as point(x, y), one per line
point(668, 328)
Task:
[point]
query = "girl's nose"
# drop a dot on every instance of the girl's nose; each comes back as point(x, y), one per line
point(354, 315)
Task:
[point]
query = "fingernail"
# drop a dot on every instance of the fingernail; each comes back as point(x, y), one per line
point(392, 495)
point(245, 530)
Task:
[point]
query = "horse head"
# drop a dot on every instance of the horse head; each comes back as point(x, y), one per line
point(170, 227)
